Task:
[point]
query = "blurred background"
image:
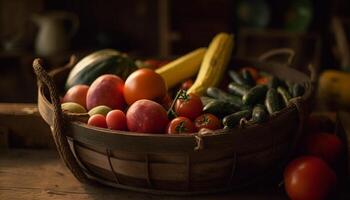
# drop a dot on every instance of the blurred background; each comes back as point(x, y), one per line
point(318, 31)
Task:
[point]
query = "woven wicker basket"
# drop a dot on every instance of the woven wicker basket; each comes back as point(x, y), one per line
point(174, 164)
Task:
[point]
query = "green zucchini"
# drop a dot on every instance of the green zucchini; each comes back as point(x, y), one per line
point(275, 82)
point(298, 90)
point(205, 100)
point(254, 95)
point(237, 78)
point(273, 101)
point(284, 94)
point(289, 86)
point(219, 108)
point(259, 114)
point(247, 77)
point(223, 96)
point(101, 62)
point(238, 89)
point(233, 119)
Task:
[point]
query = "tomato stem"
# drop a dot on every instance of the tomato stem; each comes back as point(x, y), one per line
point(171, 113)
point(181, 128)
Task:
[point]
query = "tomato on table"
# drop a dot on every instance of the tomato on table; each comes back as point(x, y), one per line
point(309, 177)
point(180, 125)
point(327, 146)
point(189, 105)
point(208, 121)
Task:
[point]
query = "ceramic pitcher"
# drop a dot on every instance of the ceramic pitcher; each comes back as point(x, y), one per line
point(53, 36)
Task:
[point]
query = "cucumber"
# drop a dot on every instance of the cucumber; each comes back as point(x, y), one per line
point(289, 86)
point(273, 101)
point(223, 96)
point(219, 108)
point(238, 89)
point(298, 90)
point(259, 114)
point(205, 100)
point(233, 119)
point(254, 95)
point(247, 77)
point(275, 82)
point(237, 78)
point(284, 94)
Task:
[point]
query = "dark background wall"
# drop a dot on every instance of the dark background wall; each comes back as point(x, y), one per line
point(152, 28)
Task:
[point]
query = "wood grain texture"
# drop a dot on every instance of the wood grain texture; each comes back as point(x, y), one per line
point(24, 126)
point(34, 174)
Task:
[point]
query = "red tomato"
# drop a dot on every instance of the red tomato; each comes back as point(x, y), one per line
point(189, 106)
point(208, 121)
point(145, 116)
point(144, 84)
point(307, 178)
point(187, 84)
point(180, 125)
point(116, 120)
point(324, 145)
point(97, 120)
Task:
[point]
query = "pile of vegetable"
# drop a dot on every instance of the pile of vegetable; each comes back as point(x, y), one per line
point(120, 95)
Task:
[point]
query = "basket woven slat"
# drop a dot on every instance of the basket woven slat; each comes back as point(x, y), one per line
point(171, 164)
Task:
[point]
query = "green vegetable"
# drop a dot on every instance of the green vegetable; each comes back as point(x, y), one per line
point(223, 96)
point(273, 101)
point(98, 63)
point(247, 77)
point(298, 90)
point(259, 114)
point(219, 108)
point(284, 94)
point(289, 86)
point(237, 78)
point(233, 119)
point(275, 82)
point(254, 95)
point(238, 89)
point(205, 100)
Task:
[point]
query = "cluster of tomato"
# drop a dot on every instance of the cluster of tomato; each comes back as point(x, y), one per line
point(189, 117)
point(313, 174)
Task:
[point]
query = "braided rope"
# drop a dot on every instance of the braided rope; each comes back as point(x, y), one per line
point(57, 128)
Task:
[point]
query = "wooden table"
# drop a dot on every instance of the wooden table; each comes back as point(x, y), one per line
point(39, 174)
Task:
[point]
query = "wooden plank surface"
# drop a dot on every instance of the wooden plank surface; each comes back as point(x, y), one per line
point(24, 126)
point(39, 174)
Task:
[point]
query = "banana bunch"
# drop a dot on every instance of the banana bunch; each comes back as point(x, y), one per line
point(214, 63)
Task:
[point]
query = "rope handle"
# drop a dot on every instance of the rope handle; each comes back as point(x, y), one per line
point(57, 127)
point(290, 53)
